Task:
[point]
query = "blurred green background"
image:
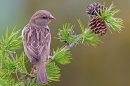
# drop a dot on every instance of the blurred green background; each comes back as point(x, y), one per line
point(106, 65)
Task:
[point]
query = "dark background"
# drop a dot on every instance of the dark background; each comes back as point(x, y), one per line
point(106, 65)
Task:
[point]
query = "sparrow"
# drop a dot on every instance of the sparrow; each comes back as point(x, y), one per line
point(36, 38)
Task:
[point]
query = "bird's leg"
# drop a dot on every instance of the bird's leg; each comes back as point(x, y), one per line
point(33, 70)
point(50, 58)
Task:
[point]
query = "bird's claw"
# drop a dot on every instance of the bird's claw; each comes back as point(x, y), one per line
point(50, 58)
point(33, 70)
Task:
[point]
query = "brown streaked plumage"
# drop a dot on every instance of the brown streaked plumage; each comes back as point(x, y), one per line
point(36, 41)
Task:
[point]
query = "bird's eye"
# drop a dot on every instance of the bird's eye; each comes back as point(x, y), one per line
point(44, 17)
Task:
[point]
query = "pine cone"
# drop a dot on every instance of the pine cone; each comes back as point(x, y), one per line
point(98, 26)
point(94, 8)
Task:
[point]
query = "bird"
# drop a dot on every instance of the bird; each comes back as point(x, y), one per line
point(36, 38)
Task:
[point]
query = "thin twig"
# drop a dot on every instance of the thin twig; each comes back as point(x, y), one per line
point(11, 56)
point(26, 78)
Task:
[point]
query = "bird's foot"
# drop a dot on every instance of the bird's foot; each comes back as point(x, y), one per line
point(33, 70)
point(50, 58)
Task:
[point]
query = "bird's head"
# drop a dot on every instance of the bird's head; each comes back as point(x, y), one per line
point(41, 18)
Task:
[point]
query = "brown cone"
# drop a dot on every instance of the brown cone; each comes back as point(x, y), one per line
point(98, 26)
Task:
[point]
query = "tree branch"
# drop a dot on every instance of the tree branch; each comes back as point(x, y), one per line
point(24, 77)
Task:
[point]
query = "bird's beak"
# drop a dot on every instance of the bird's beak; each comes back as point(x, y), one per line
point(51, 17)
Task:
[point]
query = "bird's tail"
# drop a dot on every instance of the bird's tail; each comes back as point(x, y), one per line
point(41, 72)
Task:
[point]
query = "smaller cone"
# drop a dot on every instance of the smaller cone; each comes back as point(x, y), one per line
point(94, 8)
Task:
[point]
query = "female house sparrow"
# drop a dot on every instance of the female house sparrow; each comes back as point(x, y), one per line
point(36, 41)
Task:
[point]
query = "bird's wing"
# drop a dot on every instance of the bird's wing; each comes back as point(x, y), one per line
point(36, 42)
